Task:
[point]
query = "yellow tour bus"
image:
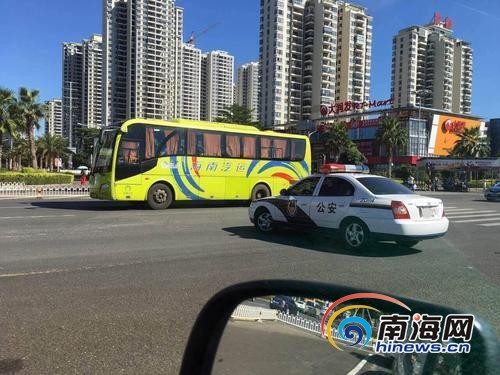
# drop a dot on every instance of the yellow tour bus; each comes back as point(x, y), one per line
point(165, 161)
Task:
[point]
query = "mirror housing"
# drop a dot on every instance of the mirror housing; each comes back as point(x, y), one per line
point(207, 331)
point(284, 192)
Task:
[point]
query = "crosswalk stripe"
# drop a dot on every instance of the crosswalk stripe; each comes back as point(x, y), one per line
point(490, 225)
point(476, 220)
point(450, 207)
point(461, 215)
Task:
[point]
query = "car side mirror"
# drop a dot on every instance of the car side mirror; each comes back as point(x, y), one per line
point(264, 326)
point(284, 192)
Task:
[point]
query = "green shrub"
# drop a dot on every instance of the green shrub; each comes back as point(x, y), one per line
point(36, 178)
point(32, 170)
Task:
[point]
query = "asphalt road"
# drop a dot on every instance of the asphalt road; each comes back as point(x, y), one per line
point(100, 287)
point(275, 348)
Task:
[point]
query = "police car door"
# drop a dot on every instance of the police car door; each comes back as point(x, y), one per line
point(296, 205)
point(331, 204)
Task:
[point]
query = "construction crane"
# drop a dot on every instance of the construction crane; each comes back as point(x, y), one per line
point(194, 36)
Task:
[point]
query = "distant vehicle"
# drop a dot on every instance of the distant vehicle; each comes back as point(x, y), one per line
point(301, 304)
point(77, 171)
point(493, 193)
point(311, 309)
point(284, 304)
point(362, 207)
point(165, 161)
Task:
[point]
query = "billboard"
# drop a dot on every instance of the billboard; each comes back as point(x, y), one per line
point(445, 130)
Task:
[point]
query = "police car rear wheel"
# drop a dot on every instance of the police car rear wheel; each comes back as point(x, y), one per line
point(263, 220)
point(260, 191)
point(355, 234)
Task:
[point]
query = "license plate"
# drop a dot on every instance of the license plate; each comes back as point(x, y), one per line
point(427, 212)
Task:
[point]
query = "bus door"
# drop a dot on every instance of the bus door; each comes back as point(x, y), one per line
point(128, 171)
point(208, 165)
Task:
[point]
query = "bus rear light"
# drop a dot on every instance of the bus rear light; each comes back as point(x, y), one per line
point(399, 210)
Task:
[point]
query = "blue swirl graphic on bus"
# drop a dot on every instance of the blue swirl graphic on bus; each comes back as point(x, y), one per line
point(349, 326)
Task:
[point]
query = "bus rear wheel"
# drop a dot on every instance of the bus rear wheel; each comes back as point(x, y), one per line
point(160, 197)
point(260, 191)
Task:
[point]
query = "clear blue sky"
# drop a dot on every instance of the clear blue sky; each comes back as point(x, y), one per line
point(32, 32)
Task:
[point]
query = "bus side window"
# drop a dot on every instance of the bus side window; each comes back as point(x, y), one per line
point(298, 149)
point(249, 145)
point(280, 149)
point(129, 153)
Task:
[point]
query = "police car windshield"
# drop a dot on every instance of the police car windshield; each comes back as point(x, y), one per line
point(383, 186)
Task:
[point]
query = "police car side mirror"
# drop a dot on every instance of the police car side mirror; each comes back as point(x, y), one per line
point(264, 326)
point(284, 192)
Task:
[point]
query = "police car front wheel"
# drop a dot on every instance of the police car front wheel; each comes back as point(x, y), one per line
point(263, 220)
point(355, 234)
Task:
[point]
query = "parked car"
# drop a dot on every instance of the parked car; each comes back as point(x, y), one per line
point(311, 309)
point(493, 193)
point(284, 304)
point(301, 305)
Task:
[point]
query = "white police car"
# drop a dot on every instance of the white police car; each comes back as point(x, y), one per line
point(361, 205)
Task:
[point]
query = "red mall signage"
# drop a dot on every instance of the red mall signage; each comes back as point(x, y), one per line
point(353, 124)
point(348, 106)
point(453, 126)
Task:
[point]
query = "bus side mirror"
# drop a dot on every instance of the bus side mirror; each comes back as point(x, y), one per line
point(284, 192)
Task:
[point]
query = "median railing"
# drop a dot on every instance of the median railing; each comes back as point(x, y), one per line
point(259, 313)
point(20, 190)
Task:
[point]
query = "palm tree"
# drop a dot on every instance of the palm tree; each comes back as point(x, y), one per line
point(32, 112)
point(336, 141)
point(391, 134)
point(18, 151)
point(7, 126)
point(471, 144)
point(52, 146)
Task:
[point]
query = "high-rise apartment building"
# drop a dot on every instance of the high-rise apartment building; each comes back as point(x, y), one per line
point(82, 86)
point(142, 43)
point(247, 88)
point(312, 52)
point(280, 60)
point(92, 82)
point(72, 79)
point(354, 54)
point(432, 68)
point(53, 117)
point(217, 71)
point(191, 82)
point(115, 19)
point(178, 54)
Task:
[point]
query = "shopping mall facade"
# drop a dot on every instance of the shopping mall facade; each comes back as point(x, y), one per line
point(431, 132)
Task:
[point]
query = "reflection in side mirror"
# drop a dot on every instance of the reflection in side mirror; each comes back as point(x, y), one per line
point(307, 328)
point(284, 192)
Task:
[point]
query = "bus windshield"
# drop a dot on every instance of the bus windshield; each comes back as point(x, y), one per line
point(104, 151)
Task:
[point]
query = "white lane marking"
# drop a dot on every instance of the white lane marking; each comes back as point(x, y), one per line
point(450, 207)
point(458, 209)
point(472, 214)
point(476, 220)
point(359, 366)
point(490, 224)
point(25, 206)
point(24, 235)
point(33, 217)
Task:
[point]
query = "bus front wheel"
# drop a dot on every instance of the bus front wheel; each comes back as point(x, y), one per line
point(160, 197)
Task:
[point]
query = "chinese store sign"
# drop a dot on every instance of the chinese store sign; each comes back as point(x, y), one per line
point(349, 106)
